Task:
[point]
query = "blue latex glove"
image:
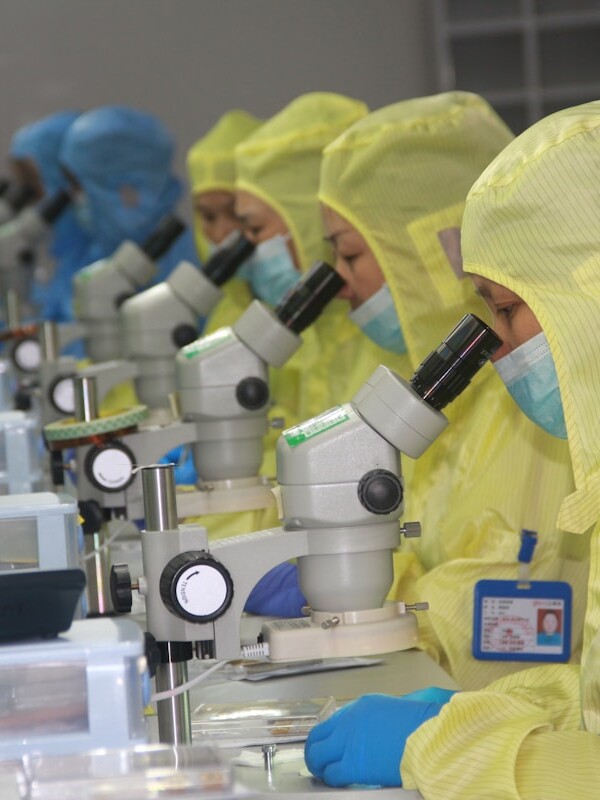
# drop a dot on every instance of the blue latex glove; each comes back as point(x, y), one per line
point(364, 741)
point(433, 694)
point(277, 594)
point(185, 471)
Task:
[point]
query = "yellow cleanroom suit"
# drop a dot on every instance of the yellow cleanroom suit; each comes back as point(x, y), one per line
point(531, 225)
point(400, 177)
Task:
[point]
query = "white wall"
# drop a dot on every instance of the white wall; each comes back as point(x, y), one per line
point(188, 61)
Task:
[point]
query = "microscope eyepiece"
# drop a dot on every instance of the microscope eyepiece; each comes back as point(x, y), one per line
point(448, 370)
point(4, 184)
point(306, 300)
point(159, 241)
point(223, 264)
point(51, 208)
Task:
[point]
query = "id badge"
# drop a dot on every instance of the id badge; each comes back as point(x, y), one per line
point(516, 621)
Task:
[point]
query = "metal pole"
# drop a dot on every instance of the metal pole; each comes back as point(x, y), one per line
point(174, 717)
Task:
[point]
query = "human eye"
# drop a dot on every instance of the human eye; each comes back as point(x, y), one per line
point(505, 311)
point(349, 258)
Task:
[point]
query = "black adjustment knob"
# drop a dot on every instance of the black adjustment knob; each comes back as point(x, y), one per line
point(195, 586)
point(57, 468)
point(184, 334)
point(122, 298)
point(92, 515)
point(380, 491)
point(26, 256)
point(120, 588)
point(24, 396)
point(252, 393)
point(152, 653)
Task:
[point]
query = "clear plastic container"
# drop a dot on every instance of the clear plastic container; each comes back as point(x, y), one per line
point(137, 773)
point(259, 722)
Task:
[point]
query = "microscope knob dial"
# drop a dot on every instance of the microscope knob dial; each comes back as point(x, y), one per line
point(27, 354)
point(196, 587)
point(120, 588)
point(110, 466)
point(184, 334)
point(62, 394)
point(252, 393)
point(380, 491)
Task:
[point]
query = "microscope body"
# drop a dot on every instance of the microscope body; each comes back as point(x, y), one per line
point(100, 288)
point(158, 322)
point(340, 496)
point(222, 382)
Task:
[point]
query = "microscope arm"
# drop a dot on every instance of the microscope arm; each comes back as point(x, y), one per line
point(109, 374)
point(242, 560)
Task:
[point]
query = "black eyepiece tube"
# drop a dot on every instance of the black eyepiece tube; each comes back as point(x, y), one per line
point(51, 208)
point(223, 265)
point(19, 195)
point(306, 300)
point(4, 184)
point(157, 244)
point(449, 369)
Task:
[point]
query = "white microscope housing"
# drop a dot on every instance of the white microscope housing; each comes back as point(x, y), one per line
point(223, 379)
point(102, 287)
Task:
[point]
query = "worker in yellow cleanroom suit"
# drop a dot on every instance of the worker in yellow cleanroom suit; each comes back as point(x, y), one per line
point(530, 239)
point(211, 170)
point(393, 187)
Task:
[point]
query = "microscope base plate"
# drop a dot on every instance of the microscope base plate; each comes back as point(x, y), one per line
point(357, 633)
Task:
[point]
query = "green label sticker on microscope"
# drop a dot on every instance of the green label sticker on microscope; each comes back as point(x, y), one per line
point(313, 427)
point(208, 342)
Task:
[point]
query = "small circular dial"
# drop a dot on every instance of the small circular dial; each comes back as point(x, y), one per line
point(62, 394)
point(196, 586)
point(109, 467)
point(27, 355)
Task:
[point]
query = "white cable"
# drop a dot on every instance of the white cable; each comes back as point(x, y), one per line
point(184, 687)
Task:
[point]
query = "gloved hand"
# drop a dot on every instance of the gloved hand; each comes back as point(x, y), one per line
point(185, 470)
point(433, 694)
point(277, 594)
point(364, 741)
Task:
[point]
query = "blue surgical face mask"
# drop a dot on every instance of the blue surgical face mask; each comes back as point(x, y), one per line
point(377, 318)
point(530, 376)
point(270, 270)
point(82, 211)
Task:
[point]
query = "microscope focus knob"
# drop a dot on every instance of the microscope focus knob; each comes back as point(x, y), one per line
point(120, 588)
point(61, 393)
point(252, 393)
point(184, 334)
point(196, 587)
point(380, 491)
